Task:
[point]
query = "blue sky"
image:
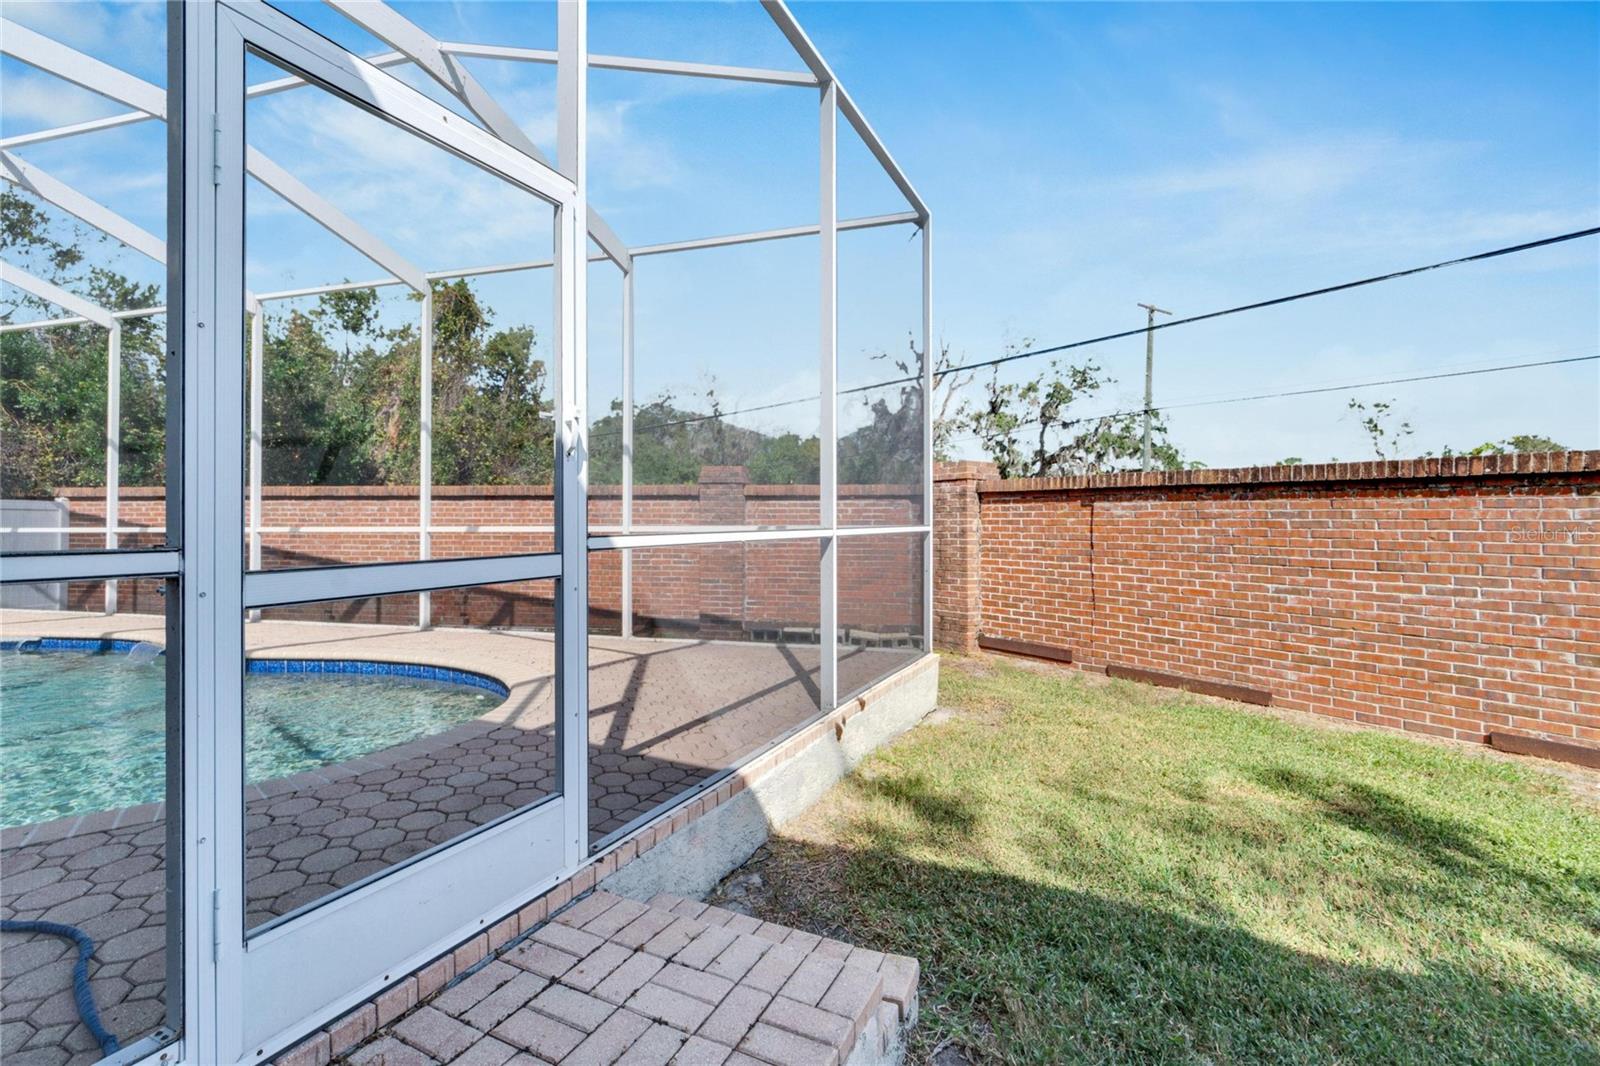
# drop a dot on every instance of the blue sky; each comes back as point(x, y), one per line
point(1083, 158)
point(1078, 159)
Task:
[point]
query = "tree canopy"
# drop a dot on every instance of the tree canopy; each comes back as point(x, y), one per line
point(341, 395)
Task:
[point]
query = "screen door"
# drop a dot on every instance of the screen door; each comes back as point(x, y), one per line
point(390, 711)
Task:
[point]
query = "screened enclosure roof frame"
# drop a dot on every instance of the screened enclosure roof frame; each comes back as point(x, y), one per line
point(440, 60)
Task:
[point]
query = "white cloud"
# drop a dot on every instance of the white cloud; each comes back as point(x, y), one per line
point(430, 206)
point(35, 101)
point(1304, 170)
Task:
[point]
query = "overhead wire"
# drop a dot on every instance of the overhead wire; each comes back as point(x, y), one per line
point(1297, 392)
point(1493, 253)
point(1276, 301)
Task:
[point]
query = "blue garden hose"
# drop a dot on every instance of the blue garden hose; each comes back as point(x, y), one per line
point(80, 975)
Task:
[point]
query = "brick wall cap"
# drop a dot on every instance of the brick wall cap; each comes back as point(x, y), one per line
point(1463, 466)
point(965, 470)
point(724, 475)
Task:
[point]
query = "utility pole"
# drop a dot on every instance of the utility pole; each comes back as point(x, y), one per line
point(1149, 374)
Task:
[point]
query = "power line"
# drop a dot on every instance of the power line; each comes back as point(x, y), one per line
point(1275, 301)
point(690, 420)
point(1305, 392)
point(1086, 342)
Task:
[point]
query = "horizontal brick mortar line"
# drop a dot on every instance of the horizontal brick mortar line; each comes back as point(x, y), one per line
point(1569, 462)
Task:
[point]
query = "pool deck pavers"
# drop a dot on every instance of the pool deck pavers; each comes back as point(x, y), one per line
point(727, 990)
point(666, 715)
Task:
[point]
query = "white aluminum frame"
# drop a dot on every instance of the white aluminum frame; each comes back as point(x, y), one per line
point(220, 579)
point(353, 933)
point(828, 376)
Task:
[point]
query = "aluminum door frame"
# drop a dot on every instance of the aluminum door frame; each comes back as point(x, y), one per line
point(266, 989)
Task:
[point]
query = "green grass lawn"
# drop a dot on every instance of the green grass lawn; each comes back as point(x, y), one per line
point(1108, 872)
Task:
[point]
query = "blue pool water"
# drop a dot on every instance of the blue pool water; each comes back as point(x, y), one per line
point(84, 731)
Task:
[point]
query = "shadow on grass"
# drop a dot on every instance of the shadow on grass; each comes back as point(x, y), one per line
point(1356, 805)
point(1017, 971)
point(1447, 844)
point(937, 814)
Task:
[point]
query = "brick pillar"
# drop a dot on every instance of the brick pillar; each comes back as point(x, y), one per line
point(722, 565)
point(957, 554)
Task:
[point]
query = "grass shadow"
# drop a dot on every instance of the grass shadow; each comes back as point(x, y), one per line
point(1016, 971)
point(1088, 879)
point(935, 813)
point(1366, 809)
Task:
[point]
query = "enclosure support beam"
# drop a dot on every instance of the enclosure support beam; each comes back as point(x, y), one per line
point(51, 190)
point(757, 236)
point(845, 224)
point(757, 75)
point(129, 118)
point(88, 72)
point(113, 446)
point(39, 51)
point(395, 30)
point(334, 220)
point(572, 493)
point(828, 369)
point(928, 356)
point(790, 28)
point(626, 607)
point(381, 60)
point(425, 453)
point(403, 35)
point(257, 392)
point(44, 290)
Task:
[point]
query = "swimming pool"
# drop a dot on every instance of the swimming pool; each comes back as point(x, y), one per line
point(82, 724)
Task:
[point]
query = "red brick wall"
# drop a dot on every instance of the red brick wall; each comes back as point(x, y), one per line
point(138, 509)
point(715, 591)
point(957, 554)
point(1450, 597)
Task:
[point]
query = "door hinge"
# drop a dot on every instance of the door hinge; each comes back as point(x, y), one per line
point(216, 152)
point(216, 924)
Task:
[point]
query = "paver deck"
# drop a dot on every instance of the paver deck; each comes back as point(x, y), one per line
point(666, 715)
point(612, 980)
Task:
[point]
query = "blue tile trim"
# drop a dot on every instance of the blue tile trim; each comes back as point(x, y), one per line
point(93, 645)
point(368, 667)
point(377, 668)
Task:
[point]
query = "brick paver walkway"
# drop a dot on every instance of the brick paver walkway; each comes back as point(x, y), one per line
point(611, 980)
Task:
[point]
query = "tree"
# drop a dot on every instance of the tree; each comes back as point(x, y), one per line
point(1377, 420)
point(673, 442)
point(788, 459)
point(313, 432)
point(53, 380)
point(1518, 444)
point(1030, 428)
point(353, 414)
point(887, 448)
point(948, 384)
